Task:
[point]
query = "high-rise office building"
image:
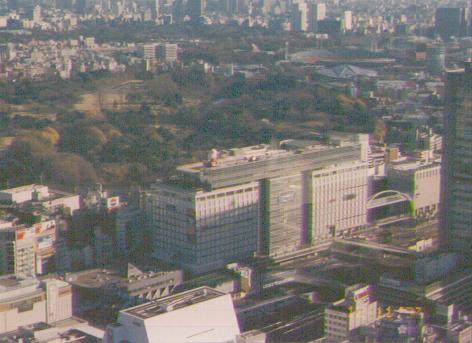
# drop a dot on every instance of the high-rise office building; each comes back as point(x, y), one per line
point(450, 21)
point(37, 14)
point(320, 11)
point(348, 21)
point(456, 190)
point(469, 19)
point(316, 13)
point(154, 6)
point(178, 11)
point(195, 9)
point(258, 199)
point(299, 16)
point(203, 230)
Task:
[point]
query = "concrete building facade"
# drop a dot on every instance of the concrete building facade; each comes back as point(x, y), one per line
point(26, 251)
point(338, 195)
point(344, 316)
point(167, 52)
point(421, 181)
point(204, 229)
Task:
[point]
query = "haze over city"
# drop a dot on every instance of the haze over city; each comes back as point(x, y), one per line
point(244, 171)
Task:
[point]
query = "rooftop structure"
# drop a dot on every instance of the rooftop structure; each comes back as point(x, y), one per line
point(139, 285)
point(452, 289)
point(33, 195)
point(236, 166)
point(65, 331)
point(198, 315)
point(23, 193)
point(174, 302)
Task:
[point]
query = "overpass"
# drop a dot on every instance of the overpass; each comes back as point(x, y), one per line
point(377, 246)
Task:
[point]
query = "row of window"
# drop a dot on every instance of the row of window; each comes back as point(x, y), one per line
point(428, 173)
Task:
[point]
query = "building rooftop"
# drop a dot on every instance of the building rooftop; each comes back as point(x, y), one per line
point(173, 302)
point(9, 282)
point(457, 327)
point(409, 165)
point(20, 189)
point(103, 278)
point(55, 194)
point(262, 152)
point(94, 278)
point(341, 307)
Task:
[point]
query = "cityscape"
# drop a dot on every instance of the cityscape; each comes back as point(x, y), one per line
point(236, 171)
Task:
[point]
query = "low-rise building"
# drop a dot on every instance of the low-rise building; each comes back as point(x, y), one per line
point(198, 315)
point(421, 181)
point(22, 194)
point(102, 287)
point(40, 196)
point(30, 300)
point(460, 332)
point(27, 250)
point(357, 309)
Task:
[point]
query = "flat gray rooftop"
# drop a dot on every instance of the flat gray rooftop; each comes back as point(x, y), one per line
point(173, 302)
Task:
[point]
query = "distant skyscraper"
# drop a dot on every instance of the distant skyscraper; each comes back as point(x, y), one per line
point(195, 9)
point(469, 24)
point(231, 7)
point(155, 9)
point(456, 212)
point(81, 6)
point(316, 12)
point(12, 4)
point(177, 11)
point(37, 14)
point(299, 16)
point(266, 5)
point(320, 11)
point(348, 20)
point(450, 21)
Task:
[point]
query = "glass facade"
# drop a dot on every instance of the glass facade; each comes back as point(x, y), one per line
point(456, 212)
